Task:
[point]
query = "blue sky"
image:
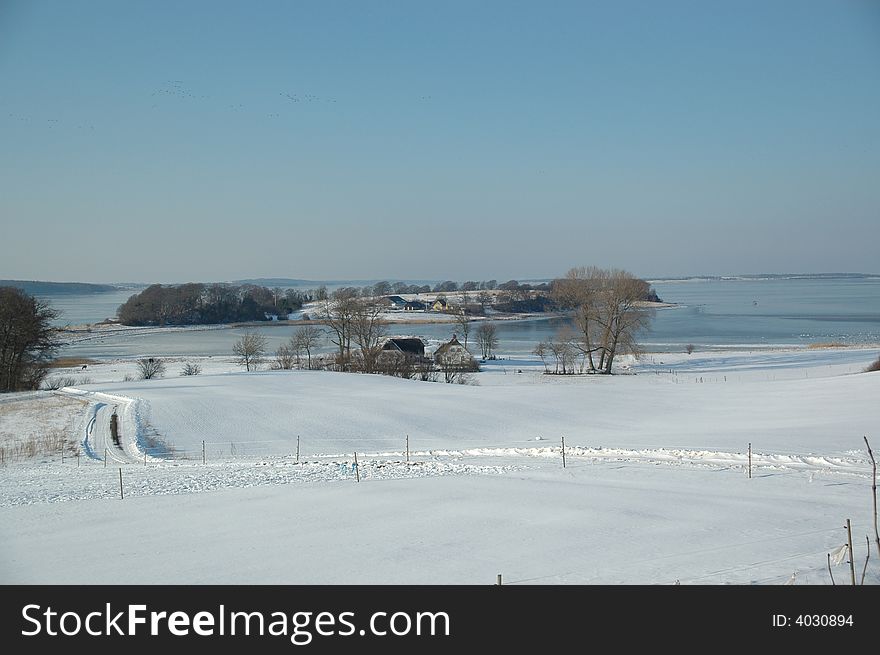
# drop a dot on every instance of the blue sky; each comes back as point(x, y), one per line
point(174, 141)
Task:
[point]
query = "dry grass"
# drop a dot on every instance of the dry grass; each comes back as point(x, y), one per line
point(874, 366)
point(39, 426)
point(829, 344)
point(70, 362)
point(33, 446)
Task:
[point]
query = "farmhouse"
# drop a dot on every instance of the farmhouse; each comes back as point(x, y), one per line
point(406, 348)
point(440, 305)
point(452, 353)
point(401, 304)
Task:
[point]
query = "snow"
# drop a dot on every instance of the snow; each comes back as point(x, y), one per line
point(590, 525)
point(655, 487)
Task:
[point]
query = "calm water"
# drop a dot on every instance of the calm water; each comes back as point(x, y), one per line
point(77, 309)
point(711, 313)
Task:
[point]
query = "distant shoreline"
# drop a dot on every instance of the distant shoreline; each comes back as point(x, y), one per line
point(403, 318)
point(37, 288)
point(95, 330)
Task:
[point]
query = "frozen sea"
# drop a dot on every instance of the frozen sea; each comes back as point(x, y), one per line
point(709, 313)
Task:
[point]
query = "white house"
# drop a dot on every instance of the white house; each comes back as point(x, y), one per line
point(452, 353)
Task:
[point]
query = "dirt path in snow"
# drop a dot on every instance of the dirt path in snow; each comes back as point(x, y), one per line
point(96, 438)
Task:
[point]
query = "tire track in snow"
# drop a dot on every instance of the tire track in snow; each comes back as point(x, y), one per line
point(96, 437)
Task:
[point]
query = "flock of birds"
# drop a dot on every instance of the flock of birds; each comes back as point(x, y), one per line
point(176, 90)
point(50, 123)
point(308, 97)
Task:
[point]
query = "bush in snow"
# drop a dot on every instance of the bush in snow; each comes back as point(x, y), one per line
point(53, 384)
point(190, 369)
point(875, 366)
point(150, 368)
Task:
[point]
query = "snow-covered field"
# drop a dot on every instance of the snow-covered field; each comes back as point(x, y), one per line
point(654, 489)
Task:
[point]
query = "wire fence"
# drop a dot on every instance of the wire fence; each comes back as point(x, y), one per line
point(405, 452)
point(404, 448)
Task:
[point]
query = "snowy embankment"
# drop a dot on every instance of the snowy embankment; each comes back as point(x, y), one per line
point(335, 413)
point(655, 486)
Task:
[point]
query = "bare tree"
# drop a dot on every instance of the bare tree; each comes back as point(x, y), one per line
point(579, 290)
point(484, 299)
point(191, 368)
point(622, 316)
point(487, 338)
point(689, 348)
point(541, 351)
point(457, 373)
point(561, 346)
point(277, 292)
point(609, 312)
point(150, 367)
point(285, 357)
point(250, 350)
point(382, 288)
point(27, 340)
point(338, 313)
point(306, 339)
point(426, 372)
point(463, 323)
point(368, 328)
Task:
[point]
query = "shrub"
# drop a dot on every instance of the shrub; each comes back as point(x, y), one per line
point(875, 366)
point(690, 348)
point(53, 384)
point(191, 368)
point(150, 368)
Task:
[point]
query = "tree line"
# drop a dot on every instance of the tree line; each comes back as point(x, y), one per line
point(385, 288)
point(199, 304)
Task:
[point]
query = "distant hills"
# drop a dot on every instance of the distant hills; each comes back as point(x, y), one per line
point(37, 288)
point(773, 276)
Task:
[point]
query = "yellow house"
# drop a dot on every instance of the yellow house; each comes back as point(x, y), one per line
point(440, 305)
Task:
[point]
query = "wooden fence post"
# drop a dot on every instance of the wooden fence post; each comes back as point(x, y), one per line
point(852, 557)
point(498, 580)
point(563, 452)
point(105, 456)
point(874, 493)
point(750, 460)
point(357, 471)
point(407, 449)
point(121, 493)
point(204, 456)
point(297, 449)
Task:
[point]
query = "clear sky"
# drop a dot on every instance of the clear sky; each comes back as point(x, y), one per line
point(173, 141)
